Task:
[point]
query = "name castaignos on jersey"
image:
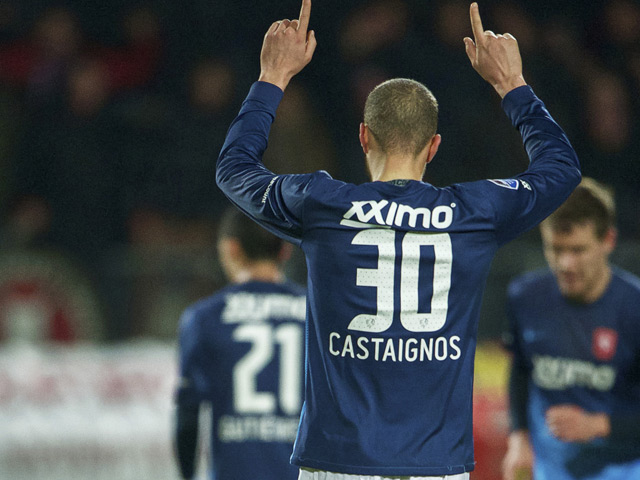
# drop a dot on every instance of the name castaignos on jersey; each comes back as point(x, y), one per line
point(382, 213)
point(371, 216)
point(409, 350)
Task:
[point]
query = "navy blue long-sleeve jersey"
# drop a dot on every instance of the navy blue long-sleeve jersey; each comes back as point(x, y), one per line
point(580, 354)
point(396, 272)
point(242, 351)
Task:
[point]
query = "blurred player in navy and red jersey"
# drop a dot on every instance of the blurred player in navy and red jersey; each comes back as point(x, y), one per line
point(242, 350)
point(396, 267)
point(575, 336)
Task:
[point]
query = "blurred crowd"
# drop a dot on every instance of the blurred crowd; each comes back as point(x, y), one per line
point(112, 114)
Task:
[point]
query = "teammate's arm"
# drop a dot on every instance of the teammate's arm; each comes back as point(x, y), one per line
point(518, 396)
point(625, 427)
point(519, 456)
point(518, 460)
point(186, 438)
point(571, 423)
point(187, 395)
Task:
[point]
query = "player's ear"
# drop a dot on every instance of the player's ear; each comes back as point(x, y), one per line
point(231, 256)
point(229, 249)
point(285, 252)
point(433, 147)
point(610, 239)
point(364, 138)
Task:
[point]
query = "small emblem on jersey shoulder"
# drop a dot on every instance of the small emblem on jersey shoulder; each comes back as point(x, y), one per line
point(605, 341)
point(509, 183)
point(526, 185)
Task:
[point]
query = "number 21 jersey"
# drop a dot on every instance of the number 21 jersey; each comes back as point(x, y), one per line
point(242, 351)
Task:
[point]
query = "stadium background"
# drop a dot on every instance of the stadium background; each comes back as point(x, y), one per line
point(111, 116)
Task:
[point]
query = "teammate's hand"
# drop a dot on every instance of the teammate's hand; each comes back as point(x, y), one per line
point(518, 461)
point(495, 57)
point(571, 423)
point(287, 48)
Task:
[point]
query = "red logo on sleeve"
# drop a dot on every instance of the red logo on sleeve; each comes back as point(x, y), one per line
point(605, 341)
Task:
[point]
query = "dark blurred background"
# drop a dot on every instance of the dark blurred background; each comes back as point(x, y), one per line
point(112, 114)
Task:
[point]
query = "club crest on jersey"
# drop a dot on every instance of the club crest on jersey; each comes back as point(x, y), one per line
point(510, 183)
point(605, 342)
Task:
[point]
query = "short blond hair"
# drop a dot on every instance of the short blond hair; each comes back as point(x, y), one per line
point(402, 115)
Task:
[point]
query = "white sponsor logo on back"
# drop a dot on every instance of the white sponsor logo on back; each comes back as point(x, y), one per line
point(372, 213)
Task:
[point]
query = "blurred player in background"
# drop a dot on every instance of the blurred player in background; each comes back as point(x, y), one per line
point(396, 267)
point(242, 350)
point(575, 334)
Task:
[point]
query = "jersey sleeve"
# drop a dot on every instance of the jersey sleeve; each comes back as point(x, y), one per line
point(518, 383)
point(520, 203)
point(186, 438)
point(274, 201)
point(627, 427)
point(511, 335)
point(189, 391)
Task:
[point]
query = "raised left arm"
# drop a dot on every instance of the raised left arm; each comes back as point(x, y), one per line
point(287, 48)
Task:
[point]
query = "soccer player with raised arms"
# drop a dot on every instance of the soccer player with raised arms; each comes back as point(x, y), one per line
point(396, 267)
point(575, 336)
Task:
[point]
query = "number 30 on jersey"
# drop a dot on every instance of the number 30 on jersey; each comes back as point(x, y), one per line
point(383, 279)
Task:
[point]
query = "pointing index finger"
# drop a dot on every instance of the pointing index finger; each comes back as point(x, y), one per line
point(305, 13)
point(476, 23)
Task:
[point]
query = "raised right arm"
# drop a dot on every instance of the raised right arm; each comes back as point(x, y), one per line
point(522, 202)
point(495, 57)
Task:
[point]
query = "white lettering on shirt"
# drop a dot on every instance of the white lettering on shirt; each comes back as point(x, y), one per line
point(372, 213)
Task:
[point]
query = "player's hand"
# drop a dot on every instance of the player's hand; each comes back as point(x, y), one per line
point(495, 57)
point(287, 48)
point(518, 461)
point(571, 423)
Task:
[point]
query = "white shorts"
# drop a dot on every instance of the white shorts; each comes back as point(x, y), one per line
point(308, 474)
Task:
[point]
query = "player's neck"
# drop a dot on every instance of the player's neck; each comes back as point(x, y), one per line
point(261, 271)
point(600, 287)
point(396, 167)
